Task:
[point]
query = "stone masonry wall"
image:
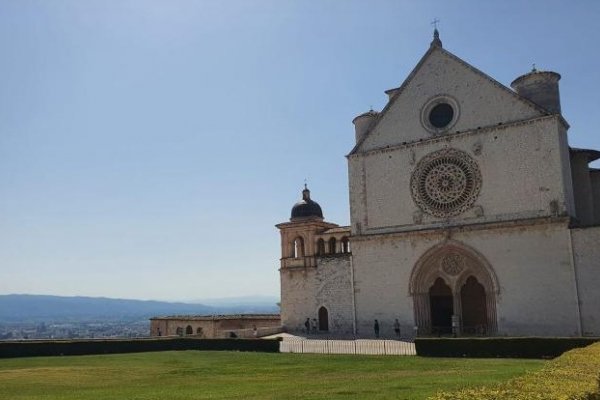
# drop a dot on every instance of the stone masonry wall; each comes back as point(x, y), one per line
point(305, 290)
point(532, 264)
point(334, 291)
point(586, 248)
point(521, 175)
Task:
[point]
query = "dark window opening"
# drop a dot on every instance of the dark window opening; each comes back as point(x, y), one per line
point(441, 115)
point(332, 244)
point(323, 319)
point(320, 247)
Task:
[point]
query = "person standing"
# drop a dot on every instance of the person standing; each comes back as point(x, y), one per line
point(376, 328)
point(314, 325)
point(397, 328)
point(307, 325)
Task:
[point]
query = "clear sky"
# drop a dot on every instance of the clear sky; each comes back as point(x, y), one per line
point(148, 148)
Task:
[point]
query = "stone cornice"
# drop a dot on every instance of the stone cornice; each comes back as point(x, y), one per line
point(298, 268)
point(456, 135)
point(307, 223)
point(448, 231)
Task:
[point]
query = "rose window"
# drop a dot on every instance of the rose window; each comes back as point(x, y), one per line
point(446, 183)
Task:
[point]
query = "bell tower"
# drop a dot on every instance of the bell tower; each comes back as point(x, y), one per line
point(301, 246)
point(299, 236)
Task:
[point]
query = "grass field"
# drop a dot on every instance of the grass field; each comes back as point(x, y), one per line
point(232, 375)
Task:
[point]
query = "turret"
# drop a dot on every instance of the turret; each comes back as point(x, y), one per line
point(363, 123)
point(541, 87)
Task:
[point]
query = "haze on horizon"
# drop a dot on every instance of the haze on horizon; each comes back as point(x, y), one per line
point(148, 148)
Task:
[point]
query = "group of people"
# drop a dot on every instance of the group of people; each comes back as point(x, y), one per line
point(396, 328)
point(310, 326)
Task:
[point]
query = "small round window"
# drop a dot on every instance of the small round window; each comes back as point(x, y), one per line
point(441, 115)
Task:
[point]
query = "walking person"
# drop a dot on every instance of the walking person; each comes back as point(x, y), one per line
point(376, 328)
point(397, 328)
point(314, 325)
point(307, 326)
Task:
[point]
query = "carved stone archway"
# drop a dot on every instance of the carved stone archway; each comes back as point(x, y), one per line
point(453, 262)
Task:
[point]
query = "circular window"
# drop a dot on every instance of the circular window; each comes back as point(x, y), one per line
point(445, 183)
point(439, 114)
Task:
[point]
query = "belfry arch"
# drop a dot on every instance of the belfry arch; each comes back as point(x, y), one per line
point(471, 282)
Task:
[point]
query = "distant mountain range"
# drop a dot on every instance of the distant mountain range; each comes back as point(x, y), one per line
point(26, 307)
point(256, 301)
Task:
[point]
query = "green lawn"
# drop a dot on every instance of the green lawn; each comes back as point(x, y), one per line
point(232, 375)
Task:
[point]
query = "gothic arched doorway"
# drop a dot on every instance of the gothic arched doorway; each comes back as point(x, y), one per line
point(323, 319)
point(453, 280)
point(441, 305)
point(474, 310)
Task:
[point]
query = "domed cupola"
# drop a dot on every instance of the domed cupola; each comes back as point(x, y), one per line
point(306, 208)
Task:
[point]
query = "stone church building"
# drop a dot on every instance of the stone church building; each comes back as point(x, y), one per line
point(469, 213)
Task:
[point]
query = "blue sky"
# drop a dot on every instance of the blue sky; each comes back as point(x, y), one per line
point(148, 148)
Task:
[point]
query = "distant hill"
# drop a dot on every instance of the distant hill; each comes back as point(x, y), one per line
point(26, 307)
point(242, 301)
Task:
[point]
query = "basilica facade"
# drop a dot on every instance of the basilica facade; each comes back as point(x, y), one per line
point(470, 215)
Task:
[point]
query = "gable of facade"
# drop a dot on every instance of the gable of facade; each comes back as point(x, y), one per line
point(477, 100)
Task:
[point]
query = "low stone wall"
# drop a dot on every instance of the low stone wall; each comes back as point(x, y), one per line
point(250, 333)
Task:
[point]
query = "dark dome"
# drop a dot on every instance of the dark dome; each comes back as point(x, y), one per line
point(306, 207)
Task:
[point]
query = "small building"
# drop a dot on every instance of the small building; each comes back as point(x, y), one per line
point(216, 326)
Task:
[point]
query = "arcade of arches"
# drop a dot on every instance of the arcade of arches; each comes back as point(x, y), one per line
point(453, 286)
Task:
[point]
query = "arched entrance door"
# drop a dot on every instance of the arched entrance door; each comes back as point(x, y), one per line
point(323, 319)
point(474, 310)
point(442, 307)
point(452, 278)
